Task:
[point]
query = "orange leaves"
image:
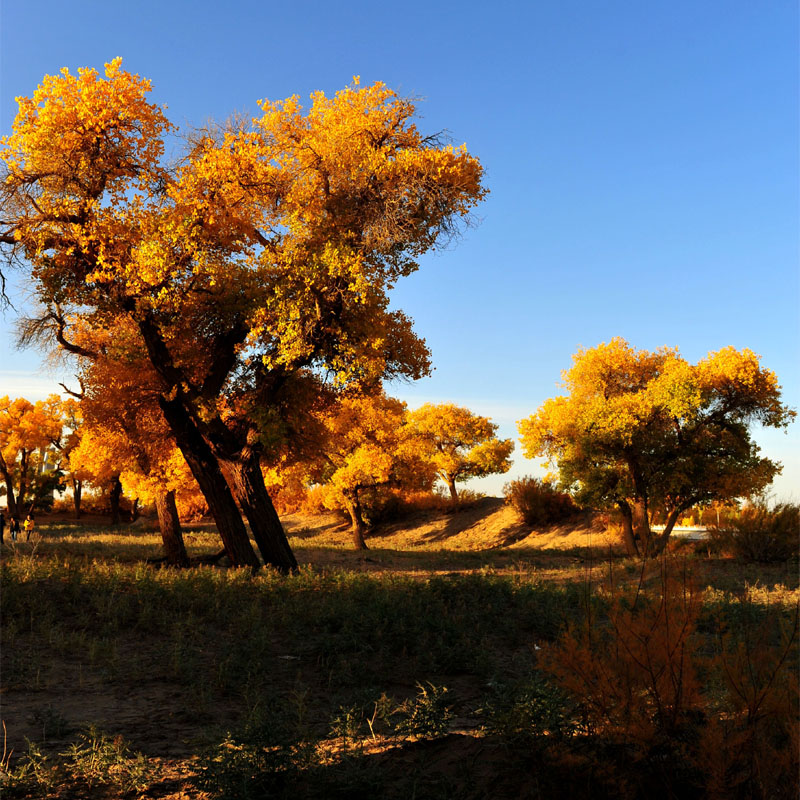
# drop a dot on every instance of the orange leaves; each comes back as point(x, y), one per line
point(26, 426)
point(359, 171)
point(84, 151)
point(33, 440)
point(737, 379)
point(86, 127)
point(616, 392)
point(636, 675)
point(363, 435)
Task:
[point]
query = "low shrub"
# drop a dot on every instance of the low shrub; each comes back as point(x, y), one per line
point(537, 502)
point(467, 498)
point(93, 503)
point(759, 533)
point(95, 759)
point(675, 712)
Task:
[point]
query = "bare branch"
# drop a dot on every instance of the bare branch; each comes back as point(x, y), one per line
point(79, 395)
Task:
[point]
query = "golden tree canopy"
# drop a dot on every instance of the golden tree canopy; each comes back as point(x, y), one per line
point(288, 229)
point(458, 443)
point(650, 429)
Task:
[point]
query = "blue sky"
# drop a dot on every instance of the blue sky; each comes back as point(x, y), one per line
point(642, 160)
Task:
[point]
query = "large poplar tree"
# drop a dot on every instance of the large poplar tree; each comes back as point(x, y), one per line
point(267, 250)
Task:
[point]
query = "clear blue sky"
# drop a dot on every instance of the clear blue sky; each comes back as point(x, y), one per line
point(642, 160)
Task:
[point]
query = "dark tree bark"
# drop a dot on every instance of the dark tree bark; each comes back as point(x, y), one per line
point(641, 525)
point(113, 497)
point(171, 533)
point(211, 440)
point(202, 461)
point(672, 518)
point(358, 527)
point(627, 528)
point(206, 470)
point(11, 500)
point(247, 484)
point(77, 491)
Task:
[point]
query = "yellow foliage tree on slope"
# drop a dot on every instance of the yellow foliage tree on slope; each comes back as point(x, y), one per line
point(646, 430)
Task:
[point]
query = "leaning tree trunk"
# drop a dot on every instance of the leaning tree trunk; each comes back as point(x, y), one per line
point(247, 483)
point(11, 500)
point(354, 509)
point(113, 497)
point(663, 538)
point(77, 490)
point(171, 533)
point(206, 470)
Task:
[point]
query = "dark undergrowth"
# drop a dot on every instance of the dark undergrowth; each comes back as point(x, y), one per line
point(346, 684)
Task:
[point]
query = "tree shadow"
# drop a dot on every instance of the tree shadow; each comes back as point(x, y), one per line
point(456, 520)
point(301, 529)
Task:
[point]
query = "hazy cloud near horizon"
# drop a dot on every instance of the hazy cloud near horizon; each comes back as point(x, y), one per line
point(32, 386)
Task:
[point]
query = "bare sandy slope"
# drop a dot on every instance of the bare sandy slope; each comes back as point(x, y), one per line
point(487, 524)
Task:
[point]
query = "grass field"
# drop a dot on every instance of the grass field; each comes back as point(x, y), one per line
point(416, 669)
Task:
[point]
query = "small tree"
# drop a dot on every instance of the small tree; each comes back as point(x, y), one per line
point(645, 431)
point(96, 457)
point(72, 431)
point(30, 436)
point(363, 451)
point(458, 444)
point(125, 442)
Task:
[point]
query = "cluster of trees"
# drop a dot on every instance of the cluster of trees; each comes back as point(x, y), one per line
point(352, 443)
point(373, 441)
point(36, 441)
point(229, 313)
point(237, 280)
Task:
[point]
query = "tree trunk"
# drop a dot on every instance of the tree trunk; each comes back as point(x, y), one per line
point(451, 485)
point(207, 473)
point(247, 483)
point(23, 481)
point(354, 509)
point(627, 529)
point(663, 538)
point(135, 510)
point(113, 497)
point(11, 501)
point(77, 489)
point(641, 526)
point(170, 526)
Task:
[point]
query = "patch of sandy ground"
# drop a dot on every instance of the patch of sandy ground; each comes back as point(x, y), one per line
point(487, 524)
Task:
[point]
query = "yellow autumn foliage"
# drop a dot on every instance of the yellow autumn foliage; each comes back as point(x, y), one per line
point(648, 431)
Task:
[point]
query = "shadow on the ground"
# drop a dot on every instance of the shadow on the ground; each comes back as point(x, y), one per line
point(521, 560)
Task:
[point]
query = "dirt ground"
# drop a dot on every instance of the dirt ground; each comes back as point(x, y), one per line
point(485, 525)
